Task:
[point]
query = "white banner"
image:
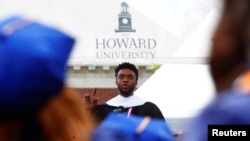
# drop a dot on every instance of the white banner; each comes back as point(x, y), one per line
point(144, 32)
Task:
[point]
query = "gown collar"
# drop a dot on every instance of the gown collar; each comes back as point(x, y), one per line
point(126, 102)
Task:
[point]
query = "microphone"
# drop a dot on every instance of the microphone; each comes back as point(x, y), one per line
point(119, 109)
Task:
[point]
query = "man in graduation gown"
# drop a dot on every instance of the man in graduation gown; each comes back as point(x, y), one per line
point(126, 102)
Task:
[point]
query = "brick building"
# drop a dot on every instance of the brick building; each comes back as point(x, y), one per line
point(84, 79)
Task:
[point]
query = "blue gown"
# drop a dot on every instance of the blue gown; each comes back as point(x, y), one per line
point(231, 107)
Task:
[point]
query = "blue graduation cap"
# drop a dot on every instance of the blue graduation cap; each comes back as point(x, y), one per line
point(33, 61)
point(118, 127)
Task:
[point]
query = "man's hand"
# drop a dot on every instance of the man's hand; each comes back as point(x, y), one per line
point(91, 101)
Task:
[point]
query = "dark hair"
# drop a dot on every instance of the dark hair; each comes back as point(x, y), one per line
point(230, 42)
point(126, 65)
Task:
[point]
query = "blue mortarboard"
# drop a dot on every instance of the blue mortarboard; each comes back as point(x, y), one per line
point(33, 60)
point(118, 127)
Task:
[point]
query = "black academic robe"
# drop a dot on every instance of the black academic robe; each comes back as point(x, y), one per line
point(142, 108)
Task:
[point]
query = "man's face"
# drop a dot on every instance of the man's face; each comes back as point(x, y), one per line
point(126, 82)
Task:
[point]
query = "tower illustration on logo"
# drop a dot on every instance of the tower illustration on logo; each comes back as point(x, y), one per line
point(124, 18)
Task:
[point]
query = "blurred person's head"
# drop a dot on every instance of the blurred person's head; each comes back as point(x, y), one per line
point(133, 128)
point(230, 48)
point(34, 101)
point(126, 75)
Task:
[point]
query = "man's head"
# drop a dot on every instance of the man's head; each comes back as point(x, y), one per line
point(126, 75)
